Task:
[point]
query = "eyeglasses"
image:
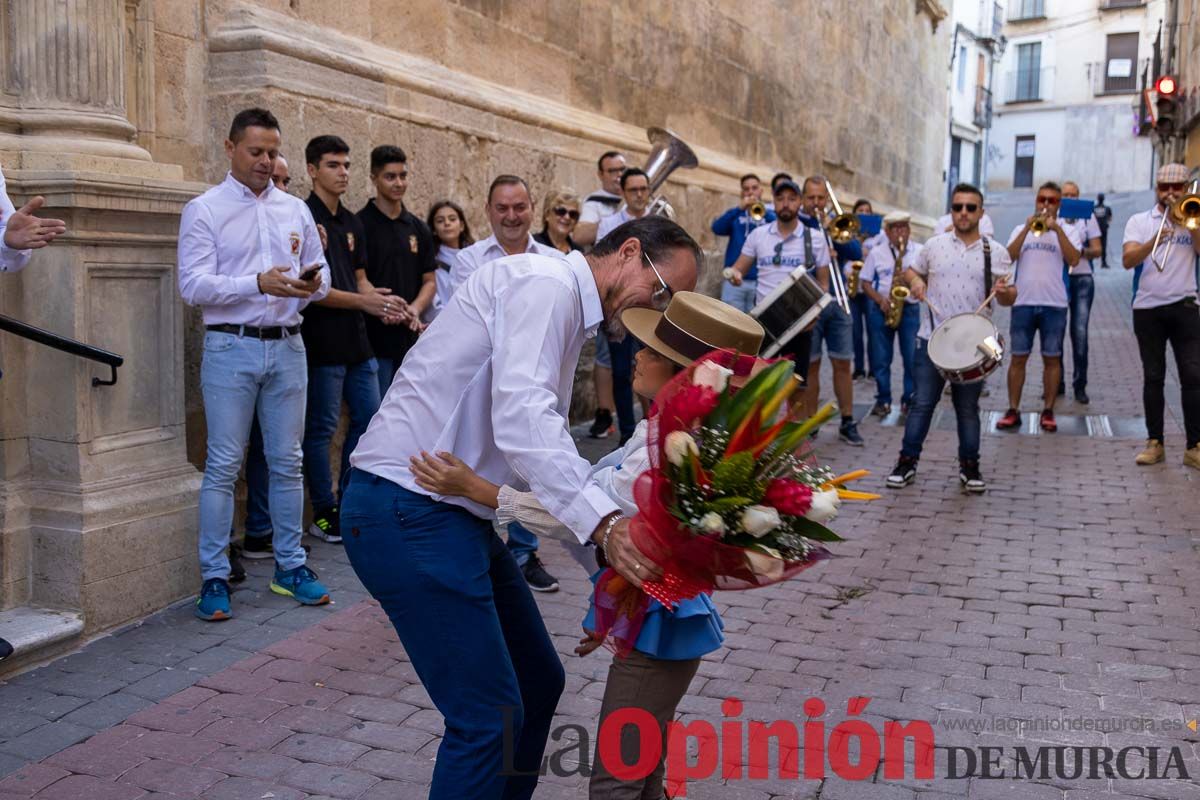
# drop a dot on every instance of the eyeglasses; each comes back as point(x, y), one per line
point(1048, 201)
point(1171, 187)
point(660, 298)
point(970, 208)
point(778, 259)
point(566, 212)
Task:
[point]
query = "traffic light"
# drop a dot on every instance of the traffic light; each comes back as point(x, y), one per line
point(1167, 90)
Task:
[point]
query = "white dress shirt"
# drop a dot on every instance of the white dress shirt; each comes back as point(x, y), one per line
point(613, 221)
point(954, 277)
point(471, 258)
point(490, 381)
point(228, 235)
point(10, 260)
point(1178, 279)
point(880, 267)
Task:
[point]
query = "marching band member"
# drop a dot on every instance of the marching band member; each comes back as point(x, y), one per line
point(736, 223)
point(602, 202)
point(859, 304)
point(945, 224)
point(869, 243)
point(876, 282)
point(1165, 311)
point(1081, 289)
point(953, 271)
point(1042, 308)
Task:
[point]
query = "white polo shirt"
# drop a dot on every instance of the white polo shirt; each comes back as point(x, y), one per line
point(954, 277)
point(1040, 267)
point(986, 226)
point(881, 264)
point(1177, 281)
point(1088, 229)
point(761, 245)
point(471, 258)
point(614, 221)
point(595, 210)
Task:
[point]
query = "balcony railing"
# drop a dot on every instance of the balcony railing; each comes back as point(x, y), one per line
point(1029, 86)
point(983, 107)
point(1107, 77)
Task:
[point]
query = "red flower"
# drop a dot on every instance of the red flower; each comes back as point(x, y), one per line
point(689, 404)
point(788, 497)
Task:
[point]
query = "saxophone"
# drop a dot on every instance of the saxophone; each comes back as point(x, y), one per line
point(899, 294)
point(852, 285)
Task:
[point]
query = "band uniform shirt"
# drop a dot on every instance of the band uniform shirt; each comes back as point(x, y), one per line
point(760, 246)
point(598, 205)
point(737, 224)
point(954, 276)
point(880, 266)
point(335, 336)
point(10, 260)
point(614, 221)
point(878, 240)
point(473, 386)
point(1088, 229)
point(399, 255)
point(1177, 281)
point(986, 226)
point(1041, 268)
point(471, 258)
point(228, 235)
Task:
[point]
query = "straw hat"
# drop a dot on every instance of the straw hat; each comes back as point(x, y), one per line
point(692, 326)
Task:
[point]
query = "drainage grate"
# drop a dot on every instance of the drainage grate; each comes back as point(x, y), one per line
point(1097, 426)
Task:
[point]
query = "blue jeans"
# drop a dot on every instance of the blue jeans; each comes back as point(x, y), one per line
point(1048, 322)
point(929, 384)
point(358, 385)
point(522, 542)
point(469, 624)
point(883, 349)
point(239, 377)
point(860, 307)
point(740, 297)
point(386, 373)
point(258, 514)
point(1082, 291)
point(833, 328)
point(622, 373)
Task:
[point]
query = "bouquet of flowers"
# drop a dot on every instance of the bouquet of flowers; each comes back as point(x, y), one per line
point(730, 501)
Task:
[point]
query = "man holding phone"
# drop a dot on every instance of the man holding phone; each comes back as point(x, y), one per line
point(250, 258)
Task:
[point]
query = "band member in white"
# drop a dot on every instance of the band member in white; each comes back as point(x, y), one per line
point(1081, 289)
point(1165, 312)
point(1042, 249)
point(952, 272)
point(602, 202)
point(876, 282)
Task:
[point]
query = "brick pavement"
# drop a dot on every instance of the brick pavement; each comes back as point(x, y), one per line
point(1065, 592)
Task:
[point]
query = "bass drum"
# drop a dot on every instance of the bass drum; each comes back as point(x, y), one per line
point(966, 348)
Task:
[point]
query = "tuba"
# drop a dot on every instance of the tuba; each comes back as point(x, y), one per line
point(667, 153)
point(852, 284)
point(899, 294)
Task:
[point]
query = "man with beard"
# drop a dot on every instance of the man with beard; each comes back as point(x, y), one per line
point(490, 382)
point(777, 248)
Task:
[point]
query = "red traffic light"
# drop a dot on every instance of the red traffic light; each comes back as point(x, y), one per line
point(1166, 85)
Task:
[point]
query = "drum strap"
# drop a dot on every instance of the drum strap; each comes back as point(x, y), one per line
point(809, 258)
point(987, 267)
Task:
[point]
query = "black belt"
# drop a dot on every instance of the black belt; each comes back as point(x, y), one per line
point(277, 332)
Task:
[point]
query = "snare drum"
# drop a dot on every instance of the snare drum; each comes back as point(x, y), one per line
point(789, 309)
point(966, 348)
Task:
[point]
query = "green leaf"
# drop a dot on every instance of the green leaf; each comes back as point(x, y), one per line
point(734, 406)
point(723, 505)
point(813, 530)
point(734, 474)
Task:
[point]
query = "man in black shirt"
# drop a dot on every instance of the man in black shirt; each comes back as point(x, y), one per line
point(1104, 217)
point(399, 261)
point(340, 362)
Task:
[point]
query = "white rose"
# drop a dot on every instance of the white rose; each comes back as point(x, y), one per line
point(824, 506)
point(760, 520)
point(679, 446)
point(712, 523)
point(712, 375)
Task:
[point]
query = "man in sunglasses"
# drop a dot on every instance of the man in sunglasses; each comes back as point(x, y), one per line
point(1041, 262)
point(952, 272)
point(1165, 311)
point(490, 381)
point(776, 249)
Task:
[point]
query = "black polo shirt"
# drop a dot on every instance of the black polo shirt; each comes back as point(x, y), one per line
point(399, 254)
point(334, 336)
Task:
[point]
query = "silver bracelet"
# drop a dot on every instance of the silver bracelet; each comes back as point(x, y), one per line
point(612, 523)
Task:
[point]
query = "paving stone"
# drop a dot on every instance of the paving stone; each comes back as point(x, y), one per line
point(32, 778)
point(177, 747)
point(321, 749)
point(167, 776)
point(397, 766)
point(46, 740)
point(173, 718)
point(85, 787)
point(107, 711)
point(401, 739)
point(98, 760)
point(238, 788)
point(260, 766)
point(163, 683)
point(10, 764)
point(258, 737)
point(339, 783)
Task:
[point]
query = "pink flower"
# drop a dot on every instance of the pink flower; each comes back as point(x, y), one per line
point(789, 497)
point(691, 403)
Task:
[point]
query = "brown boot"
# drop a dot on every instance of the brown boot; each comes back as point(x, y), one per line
point(1152, 454)
point(1191, 457)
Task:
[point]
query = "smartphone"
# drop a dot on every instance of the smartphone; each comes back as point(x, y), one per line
point(310, 273)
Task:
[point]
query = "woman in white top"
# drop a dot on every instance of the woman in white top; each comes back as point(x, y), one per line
point(450, 234)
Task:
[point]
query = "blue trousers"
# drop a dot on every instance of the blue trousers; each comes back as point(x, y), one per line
point(1082, 291)
point(883, 348)
point(328, 386)
point(469, 624)
point(929, 384)
point(258, 512)
point(522, 542)
point(740, 297)
point(860, 308)
point(622, 372)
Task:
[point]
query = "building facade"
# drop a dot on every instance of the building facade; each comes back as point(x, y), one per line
point(1177, 53)
point(1069, 94)
point(975, 49)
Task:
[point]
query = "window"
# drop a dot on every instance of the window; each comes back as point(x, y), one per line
point(1029, 72)
point(1120, 63)
point(1023, 169)
point(1028, 9)
point(962, 68)
point(997, 20)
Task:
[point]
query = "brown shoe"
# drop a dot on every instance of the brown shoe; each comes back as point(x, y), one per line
point(1191, 457)
point(1152, 454)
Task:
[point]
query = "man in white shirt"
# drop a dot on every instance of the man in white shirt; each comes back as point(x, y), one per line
point(1165, 312)
point(945, 224)
point(876, 282)
point(490, 382)
point(251, 259)
point(602, 202)
point(1081, 289)
point(635, 191)
point(956, 272)
point(1041, 262)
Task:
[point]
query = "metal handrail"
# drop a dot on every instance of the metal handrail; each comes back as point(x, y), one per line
point(66, 345)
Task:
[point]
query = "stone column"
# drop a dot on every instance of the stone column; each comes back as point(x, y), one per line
point(97, 498)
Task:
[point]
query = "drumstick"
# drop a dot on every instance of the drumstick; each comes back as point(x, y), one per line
point(987, 301)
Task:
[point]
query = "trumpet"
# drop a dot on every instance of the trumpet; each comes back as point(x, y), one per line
point(1185, 212)
point(844, 226)
point(1038, 226)
point(757, 211)
point(853, 283)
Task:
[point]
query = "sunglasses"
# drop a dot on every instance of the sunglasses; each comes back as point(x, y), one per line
point(660, 298)
point(1048, 201)
point(566, 212)
point(778, 259)
point(1171, 187)
point(969, 207)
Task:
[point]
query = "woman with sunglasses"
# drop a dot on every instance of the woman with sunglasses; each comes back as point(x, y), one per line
point(450, 234)
point(560, 215)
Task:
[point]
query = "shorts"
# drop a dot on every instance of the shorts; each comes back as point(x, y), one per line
point(603, 354)
point(836, 330)
point(1049, 322)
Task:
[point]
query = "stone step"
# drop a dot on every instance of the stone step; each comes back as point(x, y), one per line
point(37, 633)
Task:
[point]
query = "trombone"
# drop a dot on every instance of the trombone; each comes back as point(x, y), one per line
point(1186, 212)
point(841, 229)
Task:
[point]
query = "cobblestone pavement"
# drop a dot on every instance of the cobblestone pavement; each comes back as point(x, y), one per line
point(1065, 597)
